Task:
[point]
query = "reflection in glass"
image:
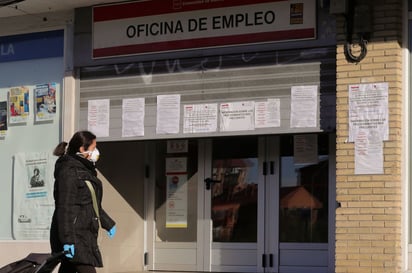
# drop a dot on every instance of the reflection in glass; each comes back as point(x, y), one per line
point(304, 201)
point(234, 198)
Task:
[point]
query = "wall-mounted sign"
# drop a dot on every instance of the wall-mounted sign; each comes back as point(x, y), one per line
point(31, 46)
point(170, 25)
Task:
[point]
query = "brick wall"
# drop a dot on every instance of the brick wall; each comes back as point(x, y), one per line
point(368, 222)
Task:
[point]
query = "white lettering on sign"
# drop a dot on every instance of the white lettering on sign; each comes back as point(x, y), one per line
point(6, 49)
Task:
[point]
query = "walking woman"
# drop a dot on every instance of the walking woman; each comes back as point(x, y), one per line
point(76, 218)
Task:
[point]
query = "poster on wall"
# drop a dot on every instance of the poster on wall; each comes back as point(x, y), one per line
point(368, 153)
point(3, 118)
point(98, 117)
point(176, 206)
point(19, 109)
point(133, 117)
point(267, 113)
point(200, 118)
point(304, 106)
point(368, 109)
point(168, 114)
point(45, 101)
point(237, 116)
point(33, 202)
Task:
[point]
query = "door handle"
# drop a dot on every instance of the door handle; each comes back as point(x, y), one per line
point(209, 182)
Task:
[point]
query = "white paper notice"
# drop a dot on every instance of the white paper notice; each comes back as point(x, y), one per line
point(133, 117)
point(98, 117)
point(237, 116)
point(33, 202)
point(168, 114)
point(368, 109)
point(267, 113)
point(305, 149)
point(304, 106)
point(200, 118)
point(176, 208)
point(368, 152)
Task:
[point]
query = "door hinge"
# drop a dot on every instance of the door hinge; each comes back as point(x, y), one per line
point(146, 258)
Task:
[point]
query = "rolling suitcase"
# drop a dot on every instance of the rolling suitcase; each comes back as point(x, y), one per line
point(34, 263)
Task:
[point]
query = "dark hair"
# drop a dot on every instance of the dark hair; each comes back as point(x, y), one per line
point(79, 139)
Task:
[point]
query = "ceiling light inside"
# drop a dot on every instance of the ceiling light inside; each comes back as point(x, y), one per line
point(4, 3)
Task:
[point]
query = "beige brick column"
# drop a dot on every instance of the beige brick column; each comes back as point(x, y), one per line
point(368, 222)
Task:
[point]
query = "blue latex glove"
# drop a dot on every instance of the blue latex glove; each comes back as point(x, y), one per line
point(112, 232)
point(69, 249)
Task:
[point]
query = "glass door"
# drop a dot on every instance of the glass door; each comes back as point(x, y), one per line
point(175, 206)
point(231, 203)
point(305, 190)
point(241, 204)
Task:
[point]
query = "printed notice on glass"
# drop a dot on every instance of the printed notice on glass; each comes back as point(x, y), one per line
point(3, 118)
point(305, 149)
point(200, 118)
point(368, 109)
point(177, 146)
point(45, 101)
point(267, 113)
point(368, 152)
point(237, 116)
point(98, 114)
point(133, 117)
point(19, 109)
point(168, 114)
point(176, 204)
point(33, 202)
point(304, 106)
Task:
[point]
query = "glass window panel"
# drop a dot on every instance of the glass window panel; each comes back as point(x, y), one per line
point(303, 215)
point(234, 198)
point(176, 196)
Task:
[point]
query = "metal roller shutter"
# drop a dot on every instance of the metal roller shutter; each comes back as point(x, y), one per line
point(229, 78)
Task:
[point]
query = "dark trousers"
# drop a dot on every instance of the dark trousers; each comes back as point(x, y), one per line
point(68, 267)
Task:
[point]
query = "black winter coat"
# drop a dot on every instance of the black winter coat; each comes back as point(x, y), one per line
point(74, 219)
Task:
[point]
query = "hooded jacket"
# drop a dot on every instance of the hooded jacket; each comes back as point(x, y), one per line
point(74, 219)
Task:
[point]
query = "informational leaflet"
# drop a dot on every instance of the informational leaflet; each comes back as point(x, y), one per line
point(45, 101)
point(200, 118)
point(33, 202)
point(368, 109)
point(237, 116)
point(133, 111)
point(3, 118)
point(176, 178)
point(368, 152)
point(305, 149)
point(98, 117)
point(168, 114)
point(19, 109)
point(267, 113)
point(304, 106)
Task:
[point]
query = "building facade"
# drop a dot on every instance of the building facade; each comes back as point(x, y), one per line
point(237, 136)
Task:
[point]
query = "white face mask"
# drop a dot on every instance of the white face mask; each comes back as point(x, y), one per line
point(93, 155)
